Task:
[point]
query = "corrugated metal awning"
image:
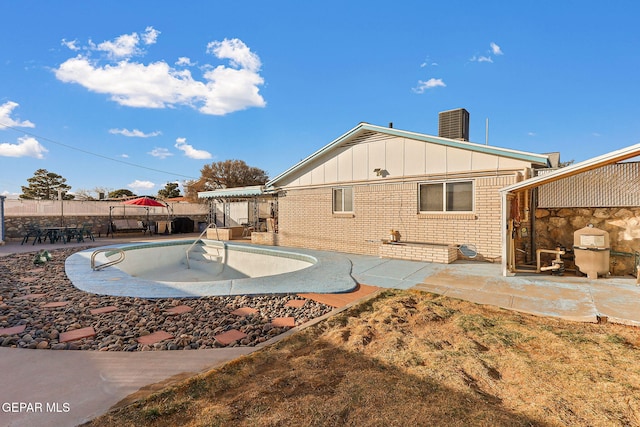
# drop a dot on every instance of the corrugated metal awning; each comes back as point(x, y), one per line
point(229, 193)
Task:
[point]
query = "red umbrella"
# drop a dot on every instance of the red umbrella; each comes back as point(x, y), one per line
point(144, 201)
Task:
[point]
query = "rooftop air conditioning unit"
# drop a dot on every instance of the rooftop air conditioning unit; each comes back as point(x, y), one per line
point(454, 124)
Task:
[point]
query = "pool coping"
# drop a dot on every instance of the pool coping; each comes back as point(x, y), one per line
point(330, 274)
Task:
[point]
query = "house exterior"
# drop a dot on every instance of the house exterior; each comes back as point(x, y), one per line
point(431, 191)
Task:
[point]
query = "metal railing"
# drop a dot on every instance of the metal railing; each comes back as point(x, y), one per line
point(200, 238)
point(95, 267)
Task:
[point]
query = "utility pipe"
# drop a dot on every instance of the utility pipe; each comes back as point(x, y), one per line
point(558, 252)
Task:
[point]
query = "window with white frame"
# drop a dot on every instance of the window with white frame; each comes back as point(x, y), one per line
point(455, 196)
point(343, 199)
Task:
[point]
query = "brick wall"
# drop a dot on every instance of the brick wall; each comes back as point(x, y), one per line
point(306, 218)
point(441, 254)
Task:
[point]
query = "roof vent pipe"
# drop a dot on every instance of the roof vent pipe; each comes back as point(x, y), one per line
point(391, 124)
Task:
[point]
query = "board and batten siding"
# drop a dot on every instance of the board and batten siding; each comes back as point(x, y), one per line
point(398, 157)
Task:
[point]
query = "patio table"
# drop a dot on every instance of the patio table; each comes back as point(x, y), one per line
point(54, 234)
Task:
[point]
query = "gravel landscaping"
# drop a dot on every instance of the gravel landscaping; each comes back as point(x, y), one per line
point(41, 298)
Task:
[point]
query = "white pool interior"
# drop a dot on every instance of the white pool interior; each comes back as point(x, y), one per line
point(161, 270)
point(209, 260)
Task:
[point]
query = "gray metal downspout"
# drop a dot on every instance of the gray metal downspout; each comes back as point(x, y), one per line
point(2, 231)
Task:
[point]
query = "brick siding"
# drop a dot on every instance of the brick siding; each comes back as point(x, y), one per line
point(306, 218)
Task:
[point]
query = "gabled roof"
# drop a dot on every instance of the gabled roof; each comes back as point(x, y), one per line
point(363, 128)
point(237, 192)
point(587, 165)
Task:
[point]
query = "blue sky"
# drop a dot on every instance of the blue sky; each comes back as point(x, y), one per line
point(140, 93)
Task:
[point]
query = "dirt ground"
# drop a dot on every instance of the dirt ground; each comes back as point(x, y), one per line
point(414, 358)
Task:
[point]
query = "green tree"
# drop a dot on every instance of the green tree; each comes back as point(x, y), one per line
point(169, 191)
point(226, 174)
point(45, 185)
point(123, 192)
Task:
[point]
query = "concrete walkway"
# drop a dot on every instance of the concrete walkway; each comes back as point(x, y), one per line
point(67, 388)
point(568, 297)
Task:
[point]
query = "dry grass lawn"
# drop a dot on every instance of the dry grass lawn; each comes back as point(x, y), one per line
point(411, 358)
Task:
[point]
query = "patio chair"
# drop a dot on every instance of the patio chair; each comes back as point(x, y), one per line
point(32, 231)
point(87, 231)
point(70, 233)
point(247, 228)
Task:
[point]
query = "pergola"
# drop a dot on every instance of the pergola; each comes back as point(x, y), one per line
point(252, 194)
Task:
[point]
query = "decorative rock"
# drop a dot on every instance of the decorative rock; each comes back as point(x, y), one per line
point(563, 213)
point(8, 341)
point(195, 325)
point(542, 213)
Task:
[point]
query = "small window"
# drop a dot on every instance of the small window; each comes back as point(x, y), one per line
point(343, 199)
point(446, 197)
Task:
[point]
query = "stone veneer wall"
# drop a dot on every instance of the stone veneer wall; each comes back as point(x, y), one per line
point(306, 218)
point(553, 226)
point(16, 226)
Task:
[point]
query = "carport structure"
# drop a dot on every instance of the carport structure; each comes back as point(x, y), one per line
point(517, 201)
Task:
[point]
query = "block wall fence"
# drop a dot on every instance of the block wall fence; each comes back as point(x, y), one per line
point(15, 226)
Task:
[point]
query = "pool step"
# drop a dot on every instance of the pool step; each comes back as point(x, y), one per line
point(213, 253)
point(212, 257)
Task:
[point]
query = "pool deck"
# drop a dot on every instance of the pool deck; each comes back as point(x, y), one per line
point(92, 382)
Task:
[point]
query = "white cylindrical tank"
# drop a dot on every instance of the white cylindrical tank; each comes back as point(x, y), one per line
point(592, 251)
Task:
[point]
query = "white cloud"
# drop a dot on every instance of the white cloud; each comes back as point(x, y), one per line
point(223, 90)
point(5, 112)
point(189, 151)
point(26, 147)
point(141, 185)
point(150, 35)
point(427, 62)
point(124, 156)
point(184, 61)
point(237, 52)
point(70, 44)
point(161, 153)
point(126, 45)
point(429, 84)
point(134, 133)
point(495, 50)
point(531, 133)
point(481, 58)
point(10, 195)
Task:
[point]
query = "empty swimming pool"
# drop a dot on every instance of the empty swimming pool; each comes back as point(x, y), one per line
point(162, 269)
